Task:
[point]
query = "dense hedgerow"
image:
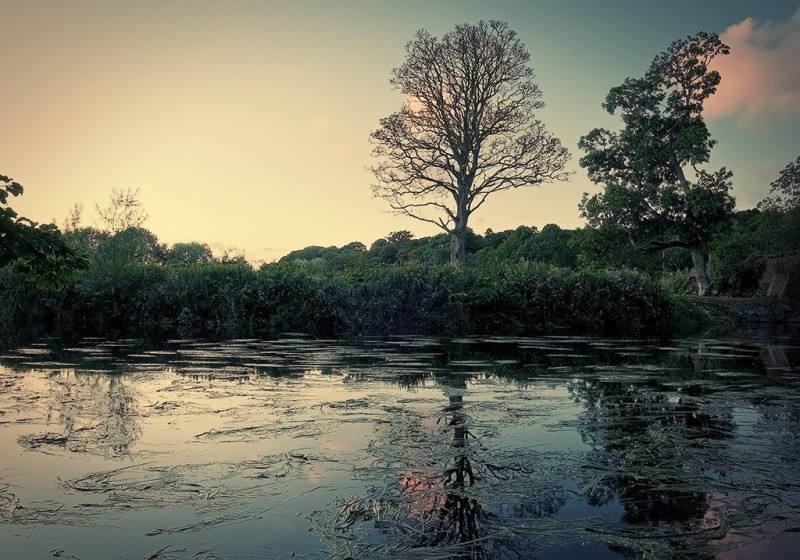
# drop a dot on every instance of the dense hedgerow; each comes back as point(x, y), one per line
point(230, 300)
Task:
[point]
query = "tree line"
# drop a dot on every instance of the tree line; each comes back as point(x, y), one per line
point(524, 281)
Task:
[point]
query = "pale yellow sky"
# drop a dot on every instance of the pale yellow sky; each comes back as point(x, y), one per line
point(246, 123)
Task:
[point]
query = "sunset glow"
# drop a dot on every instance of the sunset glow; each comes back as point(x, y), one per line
point(246, 124)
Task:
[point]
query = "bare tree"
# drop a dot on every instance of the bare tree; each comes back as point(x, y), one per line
point(467, 128)
point(124, 211)
point(74, 217)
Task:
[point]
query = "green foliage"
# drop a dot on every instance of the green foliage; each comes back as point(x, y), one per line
point(36, 252)
point(519, 282)
point(203, 300)
point(643, 168)
point(754, 234)
point(85, 241)
point(128, 246)
point(785, 190)
point(229, 300)
point(399, 236)
point(407, 299)
point(532, 298)
point(189, 253)
point(552, 245)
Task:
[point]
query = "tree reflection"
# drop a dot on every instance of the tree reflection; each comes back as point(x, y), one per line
point(462, 510)
point(455, 517)
point(97, 413)
point(645, 441)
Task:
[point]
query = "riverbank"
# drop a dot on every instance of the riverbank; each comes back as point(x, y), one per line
point(754, 316)
point(230, 301)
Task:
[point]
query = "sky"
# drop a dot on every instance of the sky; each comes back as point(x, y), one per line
point(245, 124)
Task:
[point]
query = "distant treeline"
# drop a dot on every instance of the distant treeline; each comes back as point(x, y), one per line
point(749, 236)
point(516, 282)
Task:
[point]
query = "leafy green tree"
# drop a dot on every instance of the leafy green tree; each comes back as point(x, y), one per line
point(654, 190)
point(308, 254)
point(493, 239)
point(86, 240)
point(133, 245)
point(189, 253)
point(400, 236)
point(551, 245)
point(506, 247)
point(350, 256)
point(786, 188)
point(383, 251)
point(36, 251)
point(393, 247)
point(467, 129)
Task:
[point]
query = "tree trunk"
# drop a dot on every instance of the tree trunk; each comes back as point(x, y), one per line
point(458, 246)
point(458, 236)
point(700, 274)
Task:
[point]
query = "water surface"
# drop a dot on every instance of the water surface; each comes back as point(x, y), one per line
point(554, 447)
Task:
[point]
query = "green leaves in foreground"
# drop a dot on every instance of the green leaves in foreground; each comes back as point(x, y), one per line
point(35, 252)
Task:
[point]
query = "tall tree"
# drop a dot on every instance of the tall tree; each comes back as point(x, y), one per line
point(37, 251)
point(653, 187)
point(467, 128)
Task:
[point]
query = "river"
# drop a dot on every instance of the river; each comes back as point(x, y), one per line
point(408, 447)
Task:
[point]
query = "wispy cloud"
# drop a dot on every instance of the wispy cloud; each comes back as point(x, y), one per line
point(761, 75)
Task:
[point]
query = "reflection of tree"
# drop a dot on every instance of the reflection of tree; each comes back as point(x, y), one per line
point(462, 512)
point(97, 413)
point(645, 441)
point(700, 360)
point(458, 521)
point(456, 518)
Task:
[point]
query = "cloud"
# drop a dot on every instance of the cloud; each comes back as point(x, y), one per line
point(761, 75)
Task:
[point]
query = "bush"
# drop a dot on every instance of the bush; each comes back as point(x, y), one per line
point(230, 300)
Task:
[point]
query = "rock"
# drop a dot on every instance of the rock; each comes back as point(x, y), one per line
point(780, 274)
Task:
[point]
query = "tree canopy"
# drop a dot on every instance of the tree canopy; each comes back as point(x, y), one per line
point(785, 190)
point(467, 128)
point(189, 253)
point(654, 189)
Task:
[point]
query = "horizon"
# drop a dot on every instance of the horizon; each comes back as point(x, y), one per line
point(246, 125)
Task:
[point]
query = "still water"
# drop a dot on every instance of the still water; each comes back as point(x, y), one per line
point(556, 447)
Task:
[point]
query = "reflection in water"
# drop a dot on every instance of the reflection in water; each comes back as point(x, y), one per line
point(656, 454)
point(477, 448)
point(97, 414)
point(480, 504)
point(457, 517)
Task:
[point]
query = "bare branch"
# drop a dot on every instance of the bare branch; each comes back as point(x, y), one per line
point(467, 128)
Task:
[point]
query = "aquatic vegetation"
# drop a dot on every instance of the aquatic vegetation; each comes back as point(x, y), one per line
point(406, 447)
point(229, 301)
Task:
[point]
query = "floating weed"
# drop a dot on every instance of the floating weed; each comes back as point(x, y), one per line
point(13, 510)
point(416, 448)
